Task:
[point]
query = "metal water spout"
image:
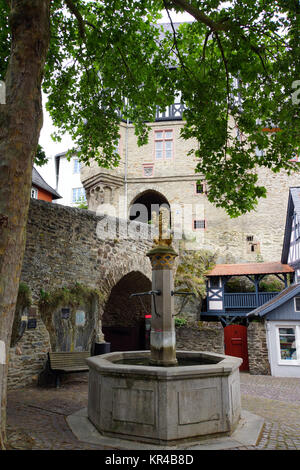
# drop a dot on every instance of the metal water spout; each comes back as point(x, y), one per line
point(162, 335)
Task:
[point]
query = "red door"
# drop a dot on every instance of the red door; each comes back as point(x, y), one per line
point(235, 339)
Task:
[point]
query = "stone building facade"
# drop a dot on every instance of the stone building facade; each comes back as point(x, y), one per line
point(162, 172)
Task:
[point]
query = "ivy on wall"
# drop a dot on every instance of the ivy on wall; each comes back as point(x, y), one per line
point(73, 296)
point(191, 275)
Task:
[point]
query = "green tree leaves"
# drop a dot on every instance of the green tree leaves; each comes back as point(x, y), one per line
point(234, 65)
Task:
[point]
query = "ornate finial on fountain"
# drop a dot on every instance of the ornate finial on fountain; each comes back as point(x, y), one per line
point(163, 238)
point(162, 254)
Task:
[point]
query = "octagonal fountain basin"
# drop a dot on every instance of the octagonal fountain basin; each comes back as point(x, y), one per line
point(130, 399)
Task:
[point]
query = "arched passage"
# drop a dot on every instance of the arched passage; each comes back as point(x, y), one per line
point(145, 204)
point(123, 321)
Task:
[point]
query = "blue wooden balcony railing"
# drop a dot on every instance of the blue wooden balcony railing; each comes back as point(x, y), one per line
point(247, 300)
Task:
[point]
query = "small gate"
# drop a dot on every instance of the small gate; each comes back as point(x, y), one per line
point(235, 342)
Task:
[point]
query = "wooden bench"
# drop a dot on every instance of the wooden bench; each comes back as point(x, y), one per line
point(66, 362)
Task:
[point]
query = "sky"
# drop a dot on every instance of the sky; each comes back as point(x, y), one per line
point(52, 148)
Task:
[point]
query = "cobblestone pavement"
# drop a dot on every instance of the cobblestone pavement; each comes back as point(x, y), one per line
point(278, 401)
point(36, 417)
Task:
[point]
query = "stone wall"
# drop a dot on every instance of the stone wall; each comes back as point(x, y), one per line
point(257, 349)
point(209, 336)
point(27, 358)
point(65, 246)
point(200, 336)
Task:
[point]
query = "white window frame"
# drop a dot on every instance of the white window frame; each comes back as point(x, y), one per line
point(288, 362)
point(297, 297)
point(82, 194)
point(34, 193)
point(76, 166)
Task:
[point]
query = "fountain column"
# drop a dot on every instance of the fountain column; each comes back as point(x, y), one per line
point(162, 335)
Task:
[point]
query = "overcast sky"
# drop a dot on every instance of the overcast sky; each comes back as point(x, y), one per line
point(52, 148)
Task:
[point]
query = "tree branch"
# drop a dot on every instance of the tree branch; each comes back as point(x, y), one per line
point(218, 26)
point(201, 16)
point(175, 39)
point(227, 85)
point(75, 11)
point(205, 44)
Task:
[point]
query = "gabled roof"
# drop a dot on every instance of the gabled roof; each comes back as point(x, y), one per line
point(37, 180)
point(293, 205)
point(280, 299)
point(250, 269)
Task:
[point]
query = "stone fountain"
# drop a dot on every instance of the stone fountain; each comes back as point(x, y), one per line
point(163, 396)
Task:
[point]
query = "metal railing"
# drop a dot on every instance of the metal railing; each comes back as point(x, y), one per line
point(247, 299)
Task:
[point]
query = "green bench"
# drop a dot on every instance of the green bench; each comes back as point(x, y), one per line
point(67, 362)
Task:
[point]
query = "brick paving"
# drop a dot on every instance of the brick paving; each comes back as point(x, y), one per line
point(36, 417)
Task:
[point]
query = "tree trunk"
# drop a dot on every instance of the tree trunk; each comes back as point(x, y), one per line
point(20, 124)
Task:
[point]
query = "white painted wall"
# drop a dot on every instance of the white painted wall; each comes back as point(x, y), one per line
point(67, 181)
point(279, 367)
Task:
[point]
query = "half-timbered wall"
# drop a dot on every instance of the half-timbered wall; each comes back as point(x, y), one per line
point(294, 251)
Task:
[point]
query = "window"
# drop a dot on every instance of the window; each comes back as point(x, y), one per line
point(297, 304)
point(255, 247)
point(297, 228)
point(199, 224)
point(295, 158)
point(34, 193)
point(199, 188)
point(259, 153)
point(163, 144)
point(214, 282)
point(249, 238)
point(78, 195)
point(117, 148)
point(148, 170)
point(76, 168)
point(287, 343)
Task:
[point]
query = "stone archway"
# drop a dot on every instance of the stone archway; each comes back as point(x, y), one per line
point(123, 320)
point(143, 205)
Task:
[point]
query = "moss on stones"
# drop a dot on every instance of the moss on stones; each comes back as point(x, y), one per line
point(73, 296)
